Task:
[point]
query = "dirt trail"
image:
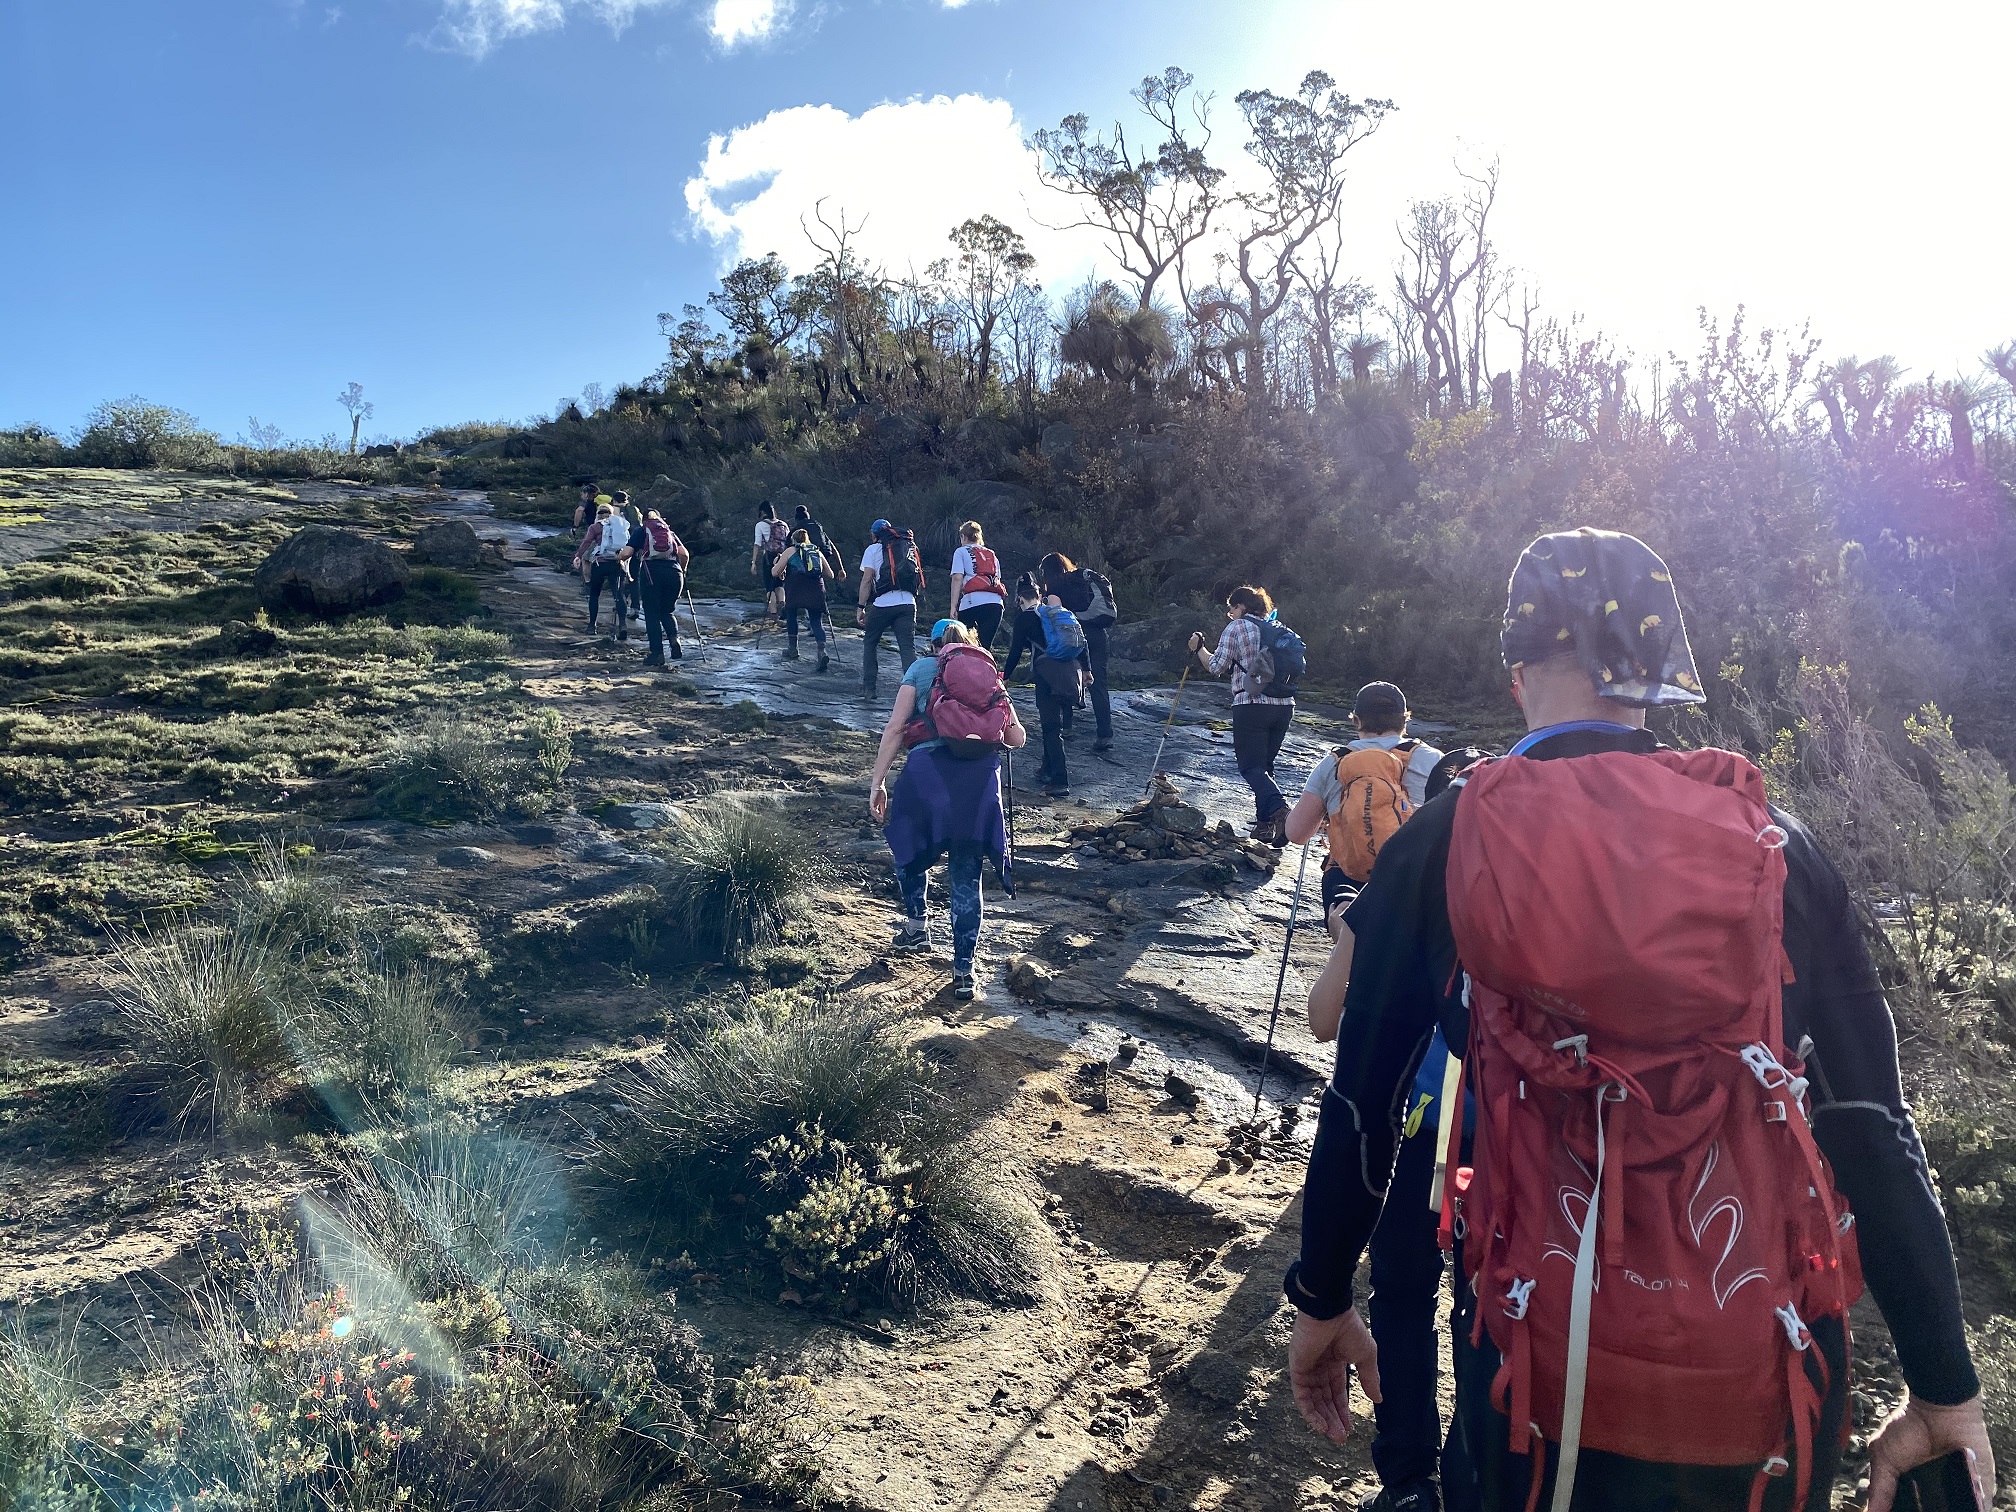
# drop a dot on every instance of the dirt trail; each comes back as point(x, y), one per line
point(1150, 1374)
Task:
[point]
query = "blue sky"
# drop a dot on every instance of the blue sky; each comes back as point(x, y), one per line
point(474, 207)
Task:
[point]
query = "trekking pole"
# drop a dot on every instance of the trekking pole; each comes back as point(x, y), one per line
point(1281, 981)
point(1174, 703)
point(697, 631)
point(1010, 883)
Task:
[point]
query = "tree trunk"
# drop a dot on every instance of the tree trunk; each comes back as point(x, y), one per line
point(1836, 421)
point(1963, 442)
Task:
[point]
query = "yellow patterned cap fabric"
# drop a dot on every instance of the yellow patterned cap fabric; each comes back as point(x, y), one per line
point(1609, 598)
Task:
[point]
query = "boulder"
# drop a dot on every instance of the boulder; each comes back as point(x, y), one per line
point(243, 638)
point(448, 543)
point(1028, 977)
point(466, 857)
point(1060, 441)
point(329, 571)
point(640, 816)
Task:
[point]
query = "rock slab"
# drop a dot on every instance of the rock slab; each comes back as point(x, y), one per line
point(329, 571)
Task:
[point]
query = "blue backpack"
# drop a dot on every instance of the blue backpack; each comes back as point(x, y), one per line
point(1063, 636)
point(1284, 658)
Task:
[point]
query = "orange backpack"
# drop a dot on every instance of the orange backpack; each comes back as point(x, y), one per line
point(1374, 804)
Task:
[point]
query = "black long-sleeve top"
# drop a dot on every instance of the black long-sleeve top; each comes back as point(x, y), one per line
point(1402, 985)
point(1028, 636)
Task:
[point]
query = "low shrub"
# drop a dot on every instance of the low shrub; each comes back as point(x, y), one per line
point(738, 872)
point(40, 1401)
point(134, 433)
point(813, 1134)
point(285, 899)
point(451, 769)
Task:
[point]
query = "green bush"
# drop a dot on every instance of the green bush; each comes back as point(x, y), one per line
point(738, 871)
point(40, 1401)
point(392, 1039)
point(451, 769)
point(133, 433)
point(815, 1134)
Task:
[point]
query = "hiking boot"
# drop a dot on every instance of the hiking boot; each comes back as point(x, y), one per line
point(623, 634)
point(676, 651)
point(821, 667)
point(1274, 831)
point(1421, 1496)
point(652, 661)
point(1103, 743)
point(1056, 790)
point(912, 938)
point(791, 653)
point(962, 986)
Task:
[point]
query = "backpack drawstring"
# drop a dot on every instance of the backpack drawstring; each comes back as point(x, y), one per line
point(1580, 1305)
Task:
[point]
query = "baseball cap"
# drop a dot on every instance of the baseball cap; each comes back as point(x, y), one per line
point(1380, 705)
point(878, 527)
point(1606, 599)
point(938, 630)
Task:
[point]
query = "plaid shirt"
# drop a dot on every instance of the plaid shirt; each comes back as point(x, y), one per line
point(1239, 648)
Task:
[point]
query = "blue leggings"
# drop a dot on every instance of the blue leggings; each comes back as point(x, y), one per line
point(965, 873)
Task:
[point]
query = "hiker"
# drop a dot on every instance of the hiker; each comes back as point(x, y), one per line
point(1089, 596)
point(1409, 1447)
point(1385, 775)
point(772, 537)
point(602, 549)
point(892, 575)
point(978, 596)
point(634, 518)
point(954, 715)
point(818, 536)
point(1683, 980)
point(804, 571)
point(1057, 666)
point(584, 521)
point(658, 564)
point(1265, 658)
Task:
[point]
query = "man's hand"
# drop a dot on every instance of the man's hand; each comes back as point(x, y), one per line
point(1321, 1354)
point(1196, 640)
point(861, 616)
point(1918, 1433)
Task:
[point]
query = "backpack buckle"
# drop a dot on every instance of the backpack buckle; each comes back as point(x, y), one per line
point(1776, 1466)
point(1516, 1300)
point(1579, 1043)
point(1795, 1329)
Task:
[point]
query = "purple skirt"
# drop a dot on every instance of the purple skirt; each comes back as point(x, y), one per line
point(944, 804)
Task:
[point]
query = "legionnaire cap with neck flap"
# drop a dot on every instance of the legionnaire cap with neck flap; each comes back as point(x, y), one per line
point(1607, 599)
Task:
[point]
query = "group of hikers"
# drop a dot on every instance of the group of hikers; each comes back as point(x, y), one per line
point(639, 560)
point(1611, 1051)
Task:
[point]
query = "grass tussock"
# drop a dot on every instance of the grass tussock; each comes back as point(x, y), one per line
point(739, 870)
point(207, 1010)
point(812, 1139)
point(292, 983)
point(452, 769)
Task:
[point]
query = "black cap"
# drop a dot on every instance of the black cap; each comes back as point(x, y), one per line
point(1380, 706)
point(803, 513)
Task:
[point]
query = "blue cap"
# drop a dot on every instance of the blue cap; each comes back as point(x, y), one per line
point(878, 527)
point(938, 630)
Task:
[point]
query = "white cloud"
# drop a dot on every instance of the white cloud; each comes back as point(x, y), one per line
point(476, 26)
point(910, 172)
point(737, 21)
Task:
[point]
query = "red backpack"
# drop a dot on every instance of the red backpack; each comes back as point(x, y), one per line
point(986, 574)
point(968, 708)
point(1648, 1223)
point(663, 542)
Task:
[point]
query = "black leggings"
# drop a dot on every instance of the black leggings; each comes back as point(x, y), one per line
point(602, 575)
point(984, 620)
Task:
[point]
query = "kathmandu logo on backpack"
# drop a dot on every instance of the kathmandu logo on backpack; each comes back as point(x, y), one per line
point(1372, 804)
point(968, 709)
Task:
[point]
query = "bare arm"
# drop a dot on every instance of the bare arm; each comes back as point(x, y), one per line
point(885, 753)
point(1305, 818)
point(1326, 995)
point(958, 587)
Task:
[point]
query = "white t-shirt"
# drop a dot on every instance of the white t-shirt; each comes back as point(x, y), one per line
point(962, 567)
point(1323, 779)
point(763, 534)
point(871, 561)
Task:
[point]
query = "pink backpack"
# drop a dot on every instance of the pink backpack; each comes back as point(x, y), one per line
point(968, 708)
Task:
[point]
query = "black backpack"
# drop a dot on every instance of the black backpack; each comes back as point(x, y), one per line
point(902, 570)
point(1102, 611)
